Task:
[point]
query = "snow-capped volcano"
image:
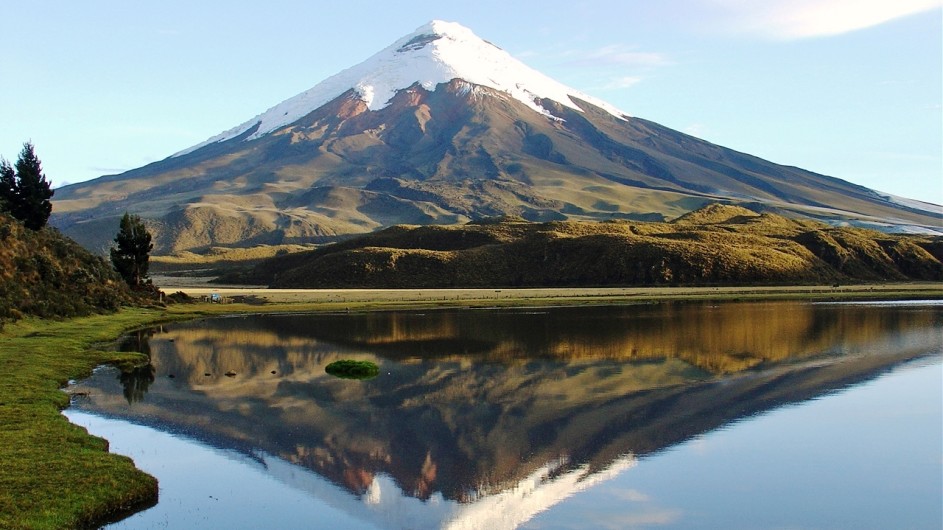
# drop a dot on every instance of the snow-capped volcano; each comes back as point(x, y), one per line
point(435, 53)
point(443, 127)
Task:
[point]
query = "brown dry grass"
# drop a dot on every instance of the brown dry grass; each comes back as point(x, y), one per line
point(716, 245)
point(357, 299)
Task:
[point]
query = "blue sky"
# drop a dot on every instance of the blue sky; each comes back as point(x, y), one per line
point(848, 88)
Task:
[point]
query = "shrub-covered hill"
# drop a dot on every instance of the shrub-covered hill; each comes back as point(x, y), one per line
point(45, 274)
point(717, 244)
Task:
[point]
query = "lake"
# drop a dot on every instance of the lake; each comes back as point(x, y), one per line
point(669, 415)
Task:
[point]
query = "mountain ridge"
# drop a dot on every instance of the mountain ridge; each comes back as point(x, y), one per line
point(715, 245)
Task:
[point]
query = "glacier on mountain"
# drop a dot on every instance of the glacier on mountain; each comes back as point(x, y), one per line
point(435, 53)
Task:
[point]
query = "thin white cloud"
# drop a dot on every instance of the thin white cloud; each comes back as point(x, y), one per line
point(100, 170)
point(621, 83)
point(617, 55)
point(615, 66)
point(798, 19)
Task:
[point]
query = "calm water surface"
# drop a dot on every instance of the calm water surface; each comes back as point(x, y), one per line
point(738, 415)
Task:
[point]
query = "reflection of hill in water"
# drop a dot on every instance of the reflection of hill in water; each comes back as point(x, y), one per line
point(469, 402)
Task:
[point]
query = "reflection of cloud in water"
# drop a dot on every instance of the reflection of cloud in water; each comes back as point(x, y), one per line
point(645, 519)
point(631, 495)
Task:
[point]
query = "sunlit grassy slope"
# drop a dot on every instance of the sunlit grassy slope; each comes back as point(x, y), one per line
point(43, 273)
point(717, 244)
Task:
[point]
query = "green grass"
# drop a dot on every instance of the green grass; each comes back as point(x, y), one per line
point(53, 474)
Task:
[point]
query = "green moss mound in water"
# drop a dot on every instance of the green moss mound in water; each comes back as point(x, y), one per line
point(350, 369)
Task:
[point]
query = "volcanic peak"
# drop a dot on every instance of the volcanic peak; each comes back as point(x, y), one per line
point(435, 53)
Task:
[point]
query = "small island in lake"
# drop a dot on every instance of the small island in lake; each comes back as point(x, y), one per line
point(350, 369)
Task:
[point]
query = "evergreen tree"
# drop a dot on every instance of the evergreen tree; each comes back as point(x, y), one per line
point(131, 255)
point(32, 193)
point(7, 186)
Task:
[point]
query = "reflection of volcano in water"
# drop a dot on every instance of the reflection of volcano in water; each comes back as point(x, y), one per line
point(506, 409)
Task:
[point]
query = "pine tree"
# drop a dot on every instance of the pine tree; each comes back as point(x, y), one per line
point(7, 186)
point(32, 205)
point(131, 255)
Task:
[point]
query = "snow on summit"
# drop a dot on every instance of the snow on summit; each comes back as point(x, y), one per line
point(435, 53)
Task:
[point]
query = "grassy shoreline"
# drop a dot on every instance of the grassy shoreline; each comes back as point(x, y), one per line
point(56, 475)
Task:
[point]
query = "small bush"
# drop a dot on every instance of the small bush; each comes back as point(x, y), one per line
point(179, 297)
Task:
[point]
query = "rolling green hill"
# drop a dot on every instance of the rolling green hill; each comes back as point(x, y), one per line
point(717, 244)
